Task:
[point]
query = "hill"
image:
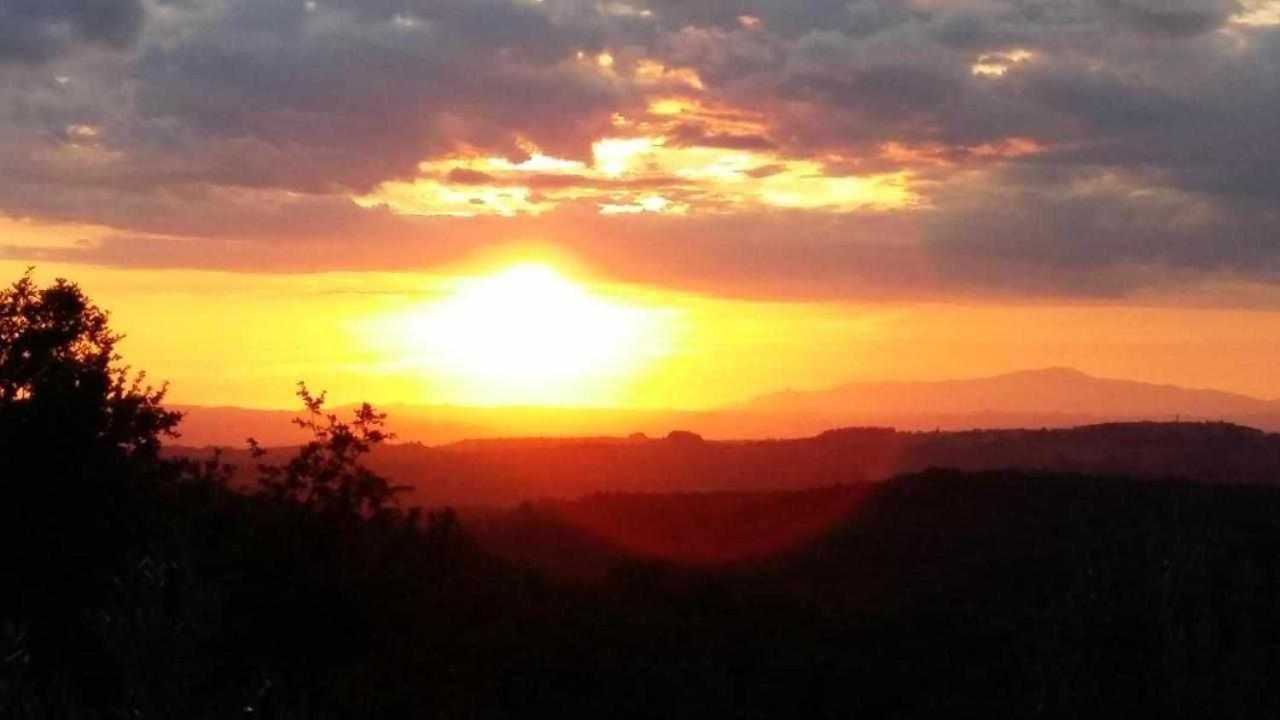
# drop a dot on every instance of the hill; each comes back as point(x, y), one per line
point(937, 594)
point(506, 472)
point(1049, 393)
point(1052, 398)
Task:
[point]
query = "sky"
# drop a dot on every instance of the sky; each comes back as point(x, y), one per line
point(659, 203)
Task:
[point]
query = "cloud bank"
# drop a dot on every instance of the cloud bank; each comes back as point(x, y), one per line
point(811, 148)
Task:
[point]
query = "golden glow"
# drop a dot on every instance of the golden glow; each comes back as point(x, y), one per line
point(527, 335)
point(670, 106)
point(615, 156)
point(997, 64)
point(429, 197)
point(799, 189)
point(649, 163)
point(723, 180)
point(537, 162)
point(29, 233)
point(245, 339)
point(654, 72)
point(646, 203)
point(716, 118)
point(83, 132)
point(1258, 13)
point(683, 154)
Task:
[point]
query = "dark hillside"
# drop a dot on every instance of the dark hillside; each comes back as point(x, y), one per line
point(950, 594)
point(506, 472)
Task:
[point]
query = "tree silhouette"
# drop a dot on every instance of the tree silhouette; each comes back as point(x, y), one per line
point(326, 473)
point(64, 396)
point(79, 435)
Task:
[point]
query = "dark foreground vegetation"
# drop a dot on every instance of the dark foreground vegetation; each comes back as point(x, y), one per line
point(132, 586)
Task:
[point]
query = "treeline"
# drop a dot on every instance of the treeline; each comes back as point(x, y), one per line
point(507, 472)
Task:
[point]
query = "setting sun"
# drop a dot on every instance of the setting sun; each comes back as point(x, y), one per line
point(527, 334)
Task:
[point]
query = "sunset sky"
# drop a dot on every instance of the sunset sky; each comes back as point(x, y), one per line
point(657, 203)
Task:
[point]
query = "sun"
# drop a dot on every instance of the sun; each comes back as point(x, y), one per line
point(527, 334)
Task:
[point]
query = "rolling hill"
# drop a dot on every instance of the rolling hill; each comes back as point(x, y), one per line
point(1048, 398)
point(506, 472)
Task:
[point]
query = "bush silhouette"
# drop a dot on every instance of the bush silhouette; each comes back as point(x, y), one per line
point(326, 474)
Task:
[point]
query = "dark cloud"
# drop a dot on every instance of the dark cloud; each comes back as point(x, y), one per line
point(898, 92)
point(1208, 130)
point(1091, 232)
point(36, 31)
point(371, 94)
point(237, 131)
point(695, 135)
point(1172, 17)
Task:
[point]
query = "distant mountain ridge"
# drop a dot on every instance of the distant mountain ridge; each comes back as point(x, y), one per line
point(1057, 390)
point(1050, 398)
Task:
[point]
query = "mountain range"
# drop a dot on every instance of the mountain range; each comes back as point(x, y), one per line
point(1045, 398)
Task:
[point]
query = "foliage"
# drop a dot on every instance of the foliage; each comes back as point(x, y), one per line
point(80, 438)
point(62, 384)
point(326, 473)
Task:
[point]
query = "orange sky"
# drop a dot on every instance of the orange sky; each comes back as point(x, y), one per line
point(237, 339)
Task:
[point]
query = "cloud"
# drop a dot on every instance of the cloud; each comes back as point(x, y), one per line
point(1093, 232)
point(814, 148)
point(1172, 17)
point(372, 94)
point(36, 31)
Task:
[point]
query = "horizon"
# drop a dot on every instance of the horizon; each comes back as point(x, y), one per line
point(1050, 398)
point(714, 357)
point(741, 404)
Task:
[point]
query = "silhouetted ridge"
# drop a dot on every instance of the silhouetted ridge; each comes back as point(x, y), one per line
point(1052, 397)
point(505, 472)
point(1063, 391)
